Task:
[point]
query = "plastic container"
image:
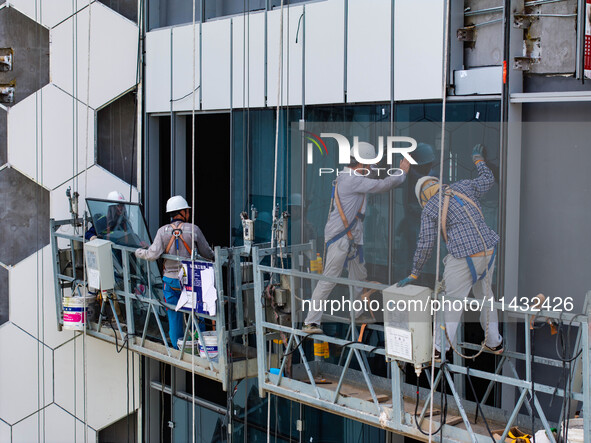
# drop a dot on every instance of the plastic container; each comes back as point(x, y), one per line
point(210, 339)
point(190, 345)
point(75, 311)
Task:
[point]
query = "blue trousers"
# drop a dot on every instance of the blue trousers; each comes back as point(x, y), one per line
point(176, 325)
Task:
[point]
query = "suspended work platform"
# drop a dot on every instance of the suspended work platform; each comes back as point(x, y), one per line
point(134, 315)
point(379, 395)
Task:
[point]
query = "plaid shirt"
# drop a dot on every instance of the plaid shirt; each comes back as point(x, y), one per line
point(462, 238)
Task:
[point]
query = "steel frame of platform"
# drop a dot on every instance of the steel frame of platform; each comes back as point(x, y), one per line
point(393, 417)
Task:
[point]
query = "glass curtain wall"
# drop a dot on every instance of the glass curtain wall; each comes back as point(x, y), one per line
point(391, 223)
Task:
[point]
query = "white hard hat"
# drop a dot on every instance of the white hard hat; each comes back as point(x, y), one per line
point(176, 203)
point(365, 151)
point(419, 186)
point(115, 195)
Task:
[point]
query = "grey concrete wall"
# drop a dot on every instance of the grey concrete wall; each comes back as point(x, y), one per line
point(24, 216)
point(30, 42)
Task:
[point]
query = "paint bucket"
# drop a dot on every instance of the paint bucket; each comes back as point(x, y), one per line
point(190, 345)
point(210, 339)
point(74, 312)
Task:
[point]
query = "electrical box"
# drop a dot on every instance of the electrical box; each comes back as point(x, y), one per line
point(99, 264)
point(408, 324)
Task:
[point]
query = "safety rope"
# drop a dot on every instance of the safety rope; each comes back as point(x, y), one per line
point(193, 232)
point(84, 355)
point(441, 157)
point(279, 88)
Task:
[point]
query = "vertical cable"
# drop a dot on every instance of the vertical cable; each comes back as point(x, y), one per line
point(441, 158)
point(279, 87)
point(84, 362)
point(193, 234)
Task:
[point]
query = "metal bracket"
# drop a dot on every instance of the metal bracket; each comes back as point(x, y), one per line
point(466, 34)
point(6, 57)
point(522, 21)
point(7, 93)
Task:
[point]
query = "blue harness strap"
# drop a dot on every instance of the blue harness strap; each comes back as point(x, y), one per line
point(475, 276)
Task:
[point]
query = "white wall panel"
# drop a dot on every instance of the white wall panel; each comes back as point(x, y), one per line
point(369, 50)
point(23, 137)
point(32, 300)
point(49, 126)
point(158, 70)
point(113, 55)
point(107, 383)
point(325, 42)
point(182, 67)
point(48, 12)
point(215, 67)
point(418, 50)
point(5, 432)
point(291, 93)
point(248, 61)
point(23, 387)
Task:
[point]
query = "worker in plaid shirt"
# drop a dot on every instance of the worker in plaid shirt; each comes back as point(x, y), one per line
point(471, 245)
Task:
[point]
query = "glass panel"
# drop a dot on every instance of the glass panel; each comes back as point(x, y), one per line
point(221, 8)
point(163, 13)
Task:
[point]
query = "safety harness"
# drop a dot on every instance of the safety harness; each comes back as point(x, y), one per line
point(461, 198)
point(177, 233)
point(354, 250)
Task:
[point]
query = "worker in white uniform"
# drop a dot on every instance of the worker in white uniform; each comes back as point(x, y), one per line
point(343, 232)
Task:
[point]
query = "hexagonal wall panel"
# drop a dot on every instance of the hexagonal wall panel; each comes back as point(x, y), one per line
point(113, 55)
point(5, 431)
point(32, 306)
point(51, 424)
point(24, 216)
point(50, 127)
point(3, 295)
point(27, 377)
point(30, 44)
point(49, 12)
point(106, 371)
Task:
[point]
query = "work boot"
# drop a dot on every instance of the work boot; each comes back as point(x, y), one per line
point(312, 328)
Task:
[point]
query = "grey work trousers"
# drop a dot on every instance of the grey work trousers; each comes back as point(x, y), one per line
point(458, 282)
point(336, 256)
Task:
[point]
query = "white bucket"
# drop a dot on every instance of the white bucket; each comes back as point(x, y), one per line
point(190, 345)
point(210, 338)
point(74, 312)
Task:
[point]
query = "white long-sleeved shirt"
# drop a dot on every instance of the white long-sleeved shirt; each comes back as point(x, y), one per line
point(352, 190)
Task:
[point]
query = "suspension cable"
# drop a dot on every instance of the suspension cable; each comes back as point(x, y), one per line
point(441, 157)
point(84, 356)
point(193, 233)
point(279, 88)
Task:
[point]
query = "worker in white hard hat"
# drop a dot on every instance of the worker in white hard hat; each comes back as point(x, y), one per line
point(176, 238)
point(113, 220)
point(343, 232)
point(471, 245)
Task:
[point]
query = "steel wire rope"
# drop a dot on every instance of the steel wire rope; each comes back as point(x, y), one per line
point(193, 233)
point(441, 158)
point(84, 356)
